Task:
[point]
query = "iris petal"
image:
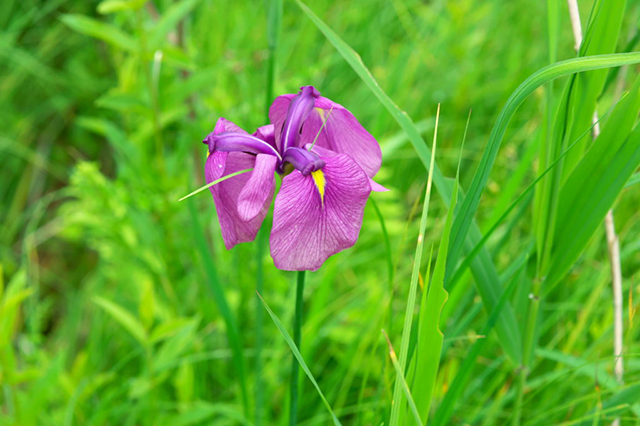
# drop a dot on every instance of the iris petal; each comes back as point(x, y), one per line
point(306, 230)
point(343, 134)
point(225, 194)
point(259, 188)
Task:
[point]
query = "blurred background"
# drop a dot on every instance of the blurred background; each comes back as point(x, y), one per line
point(118, 299)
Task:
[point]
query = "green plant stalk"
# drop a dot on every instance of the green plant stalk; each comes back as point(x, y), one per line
point(297, 340)
point(274, 17)
point(398, 402)
point(153, 92)
point(215, 288)
point(259, 392)
point(527, 355)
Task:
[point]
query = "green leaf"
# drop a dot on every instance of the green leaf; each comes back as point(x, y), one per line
point(215, 182)
point(298, 356)
point(622, 399)
point(459, 384)
point(634, 179)
point(600, 183)
point(124, 318)
point(430, 336)
point(472, 199)
point(100, 30)
point(400, 377)
point(175, 346)
point(601, 37)
point(398, 402)
point(111, 6)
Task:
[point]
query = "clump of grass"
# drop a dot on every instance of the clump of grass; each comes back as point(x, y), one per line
point(120, 305)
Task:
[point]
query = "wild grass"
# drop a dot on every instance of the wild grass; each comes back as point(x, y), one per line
point(120, 305)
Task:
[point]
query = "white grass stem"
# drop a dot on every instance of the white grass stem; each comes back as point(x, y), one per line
point(613, 242)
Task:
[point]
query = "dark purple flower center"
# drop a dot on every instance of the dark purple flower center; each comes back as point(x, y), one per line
point(263, 141)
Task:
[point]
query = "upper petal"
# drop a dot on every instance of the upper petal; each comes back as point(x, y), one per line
point(343, 134)
point(277, 115)
point(225, 195)
point(258, 191)
point(316, 216)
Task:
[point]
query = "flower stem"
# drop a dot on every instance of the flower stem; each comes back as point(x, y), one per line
point(295, 368)
point(259, 391)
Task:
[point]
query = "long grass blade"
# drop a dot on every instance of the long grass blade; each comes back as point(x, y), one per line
point(215, 182)
point(217, 292)
point(400, 376)
point(298, 356)
point(445, 410)
point(398, 403)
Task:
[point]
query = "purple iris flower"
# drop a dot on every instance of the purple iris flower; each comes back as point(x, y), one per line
point(328, 161)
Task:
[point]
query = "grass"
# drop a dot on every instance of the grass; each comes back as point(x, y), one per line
point(120, 305)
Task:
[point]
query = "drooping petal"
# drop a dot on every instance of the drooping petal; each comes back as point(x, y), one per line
point(343, 134)
point(318, 215)
point(257, 194)
point(226, 194)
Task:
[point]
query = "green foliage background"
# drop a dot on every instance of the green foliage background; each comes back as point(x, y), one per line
point(120, 305)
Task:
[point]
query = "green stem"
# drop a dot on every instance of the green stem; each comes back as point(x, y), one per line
point(259, 391)
point(274, 17)
point(527, 354)
point(297, 337)
point(153, 91)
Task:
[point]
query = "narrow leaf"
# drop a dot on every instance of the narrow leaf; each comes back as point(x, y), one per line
point(298, 356)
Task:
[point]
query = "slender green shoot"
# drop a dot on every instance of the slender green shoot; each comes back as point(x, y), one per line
point(400, 375)
point(398, 403)
point(298, 356)
point(324, 122)
point(297, 340)
point(215, 182)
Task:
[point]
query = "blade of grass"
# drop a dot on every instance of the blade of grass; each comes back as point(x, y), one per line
point(398, 403)
point(551, 72)
point(400, 375)
point(469, 258)
point(430, 337)
point(445, 410)
point(387, 243)
point(215, 182)
point(274, 18)
point(298, 356)
point(102, 31)
point(634, 179)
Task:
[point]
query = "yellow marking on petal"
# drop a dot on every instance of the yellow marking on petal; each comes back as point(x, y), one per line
point(321, 112)
point(320, 181)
